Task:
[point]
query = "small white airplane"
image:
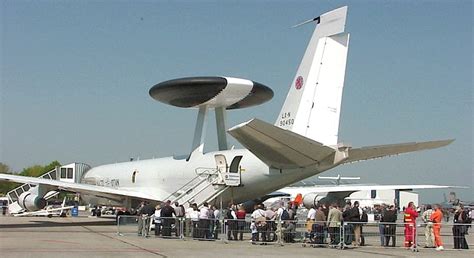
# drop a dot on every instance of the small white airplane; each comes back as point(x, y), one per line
point(302, 142)
point(48, 211)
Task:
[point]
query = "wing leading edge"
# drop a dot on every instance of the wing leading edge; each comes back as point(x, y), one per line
point(355, 188)
point(100, 191)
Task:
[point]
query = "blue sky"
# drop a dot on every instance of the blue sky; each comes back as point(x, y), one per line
point(75, 78)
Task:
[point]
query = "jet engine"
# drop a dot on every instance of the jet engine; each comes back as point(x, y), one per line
point(31, 202)
point(311, 199)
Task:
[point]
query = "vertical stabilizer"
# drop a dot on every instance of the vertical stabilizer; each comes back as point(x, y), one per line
point(312, 106)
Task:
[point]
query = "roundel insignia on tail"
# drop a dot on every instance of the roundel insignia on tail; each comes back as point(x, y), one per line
point(299, 82)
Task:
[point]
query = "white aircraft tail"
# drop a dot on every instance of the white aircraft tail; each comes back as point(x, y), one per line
point(312, 106)
point(306, 131)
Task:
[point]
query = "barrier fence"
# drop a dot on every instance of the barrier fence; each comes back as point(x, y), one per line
point(308, 233)
point(383, 234)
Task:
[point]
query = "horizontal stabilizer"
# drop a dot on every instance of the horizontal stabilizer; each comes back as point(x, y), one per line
point(279, 148)
point(374, 152)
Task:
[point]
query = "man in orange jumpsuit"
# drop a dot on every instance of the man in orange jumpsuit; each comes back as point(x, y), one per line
point(410, 225)
point(436, 218)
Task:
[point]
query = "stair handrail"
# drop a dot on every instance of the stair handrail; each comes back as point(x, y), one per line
point(202, 189)
point(192, 182)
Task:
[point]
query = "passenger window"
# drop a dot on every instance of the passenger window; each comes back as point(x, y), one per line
point(63, 173)
point(70, 173)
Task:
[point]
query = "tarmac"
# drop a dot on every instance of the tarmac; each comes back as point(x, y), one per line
point(97, 237)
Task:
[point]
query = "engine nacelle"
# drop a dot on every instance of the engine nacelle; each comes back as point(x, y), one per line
point(31, 202)
point(311, 199)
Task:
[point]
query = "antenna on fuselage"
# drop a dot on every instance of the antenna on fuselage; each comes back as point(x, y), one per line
point(219, 93)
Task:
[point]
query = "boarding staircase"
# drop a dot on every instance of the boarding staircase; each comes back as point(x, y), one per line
point(68, 173)
point(205, 187)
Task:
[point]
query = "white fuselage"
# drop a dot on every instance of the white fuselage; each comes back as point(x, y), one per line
point(163, 176)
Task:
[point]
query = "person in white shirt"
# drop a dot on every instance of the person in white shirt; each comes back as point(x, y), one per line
point(311, 214)
point(429, 235)
point(194, 217)
point(188, 223)
point(260, 220)
point(217, 213)
point(279, 212)
point(270, 214)
point(279, 231)
point(157, 220)
point(310, 219)
point(258, 213)
point(204, 221)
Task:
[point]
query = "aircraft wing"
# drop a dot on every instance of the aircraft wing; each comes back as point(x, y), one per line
point(355, 188)
point(374, 152)
point(277, 147)
point(100, 191)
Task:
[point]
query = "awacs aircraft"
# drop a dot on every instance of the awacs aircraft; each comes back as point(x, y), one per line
point(301, 143)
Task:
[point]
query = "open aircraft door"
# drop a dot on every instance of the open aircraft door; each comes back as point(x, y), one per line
point(232, 176)
point(228, 175)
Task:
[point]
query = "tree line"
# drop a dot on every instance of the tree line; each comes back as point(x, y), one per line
point(33, 171)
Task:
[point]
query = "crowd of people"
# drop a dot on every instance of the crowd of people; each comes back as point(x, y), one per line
point(323, 226)
point(168, 220)
point(322, 222)
point(431, 217)
point(274, 223)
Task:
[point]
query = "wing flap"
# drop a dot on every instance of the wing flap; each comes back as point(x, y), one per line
point(277, 147)
point(374, 152)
